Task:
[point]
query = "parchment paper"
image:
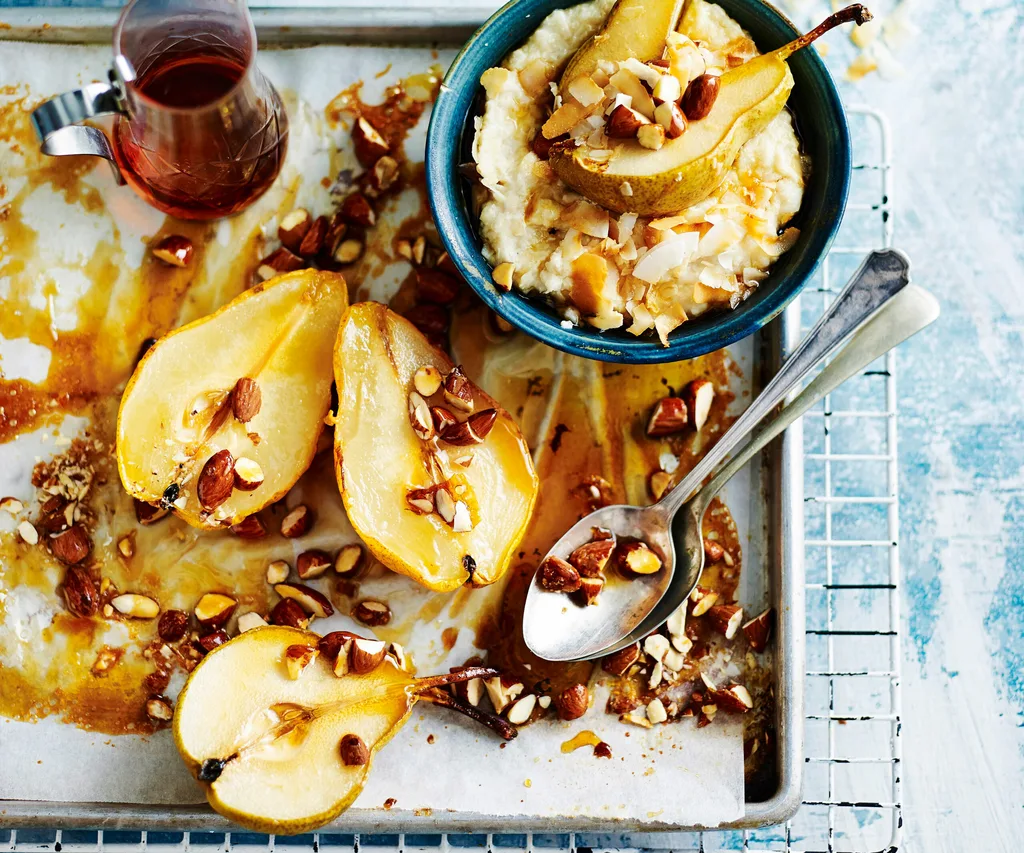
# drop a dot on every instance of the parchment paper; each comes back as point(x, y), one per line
point(675, 774)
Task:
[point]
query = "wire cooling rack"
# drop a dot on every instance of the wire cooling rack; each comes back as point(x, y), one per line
point(852, 789)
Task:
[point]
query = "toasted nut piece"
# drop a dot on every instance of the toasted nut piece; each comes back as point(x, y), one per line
point(159, 709)
point(277, 572)
point(420, 417)
point(502, 690)
point(311, 564)
point(544, 702)
point(698, 396)
point(700, 96)
point(726, 618)
point(147, 514)
point(713, 551)
point(293, 228)
point(591, 559)
point(357, 210)
point(281, 260)
point(734, 699)
point(216, 480)
point(623, 123)
point(126, 546)
point(436, 286)
point(28, 533)
point(590, 589)
point(334, 643)
point(666, 90)
point(396, 653)
point(372, 613)
point(289, 614)
point(72, 546)
point(759, 629)
point(106, 660)
point(353, 751)
point(464, 461)
point(250, 527)
point(348, 251)
point(656, 711)
point(248, 475)
point(703, 600)
point(174, 250)
point(172, 626)
point(572, 703)
point(403, 248)
point(313, 602)
point(11, 505)
point(80, 594)
point(556, 575)
point(502, 275)
point(366, 655)
point(214, 609)
point(443, 419)
point(671, 117)
point(250, 620)
point(246, 399)
point(651, 136)
point(521, 709)
point(541, 146)
point(419, 249)
point(349, 559)
point(427, 380)
point(458, 390)
point(370, 146)
point(335, 234)
point(297, 522)
point(445, 505)
point(313, 242)
point(706, 715)
point(463, 521)
point(384, 174)
point(657, 646)
point(471, 431)
point(659, 483)
point(618, 663)
point(669, 416)
point(421, 501)
point(208, 642)
point(297, 658)
point(135, 605)
point(637, 558)
point(471, 691)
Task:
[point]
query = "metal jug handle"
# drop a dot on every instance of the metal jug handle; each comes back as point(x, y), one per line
point(57, 122)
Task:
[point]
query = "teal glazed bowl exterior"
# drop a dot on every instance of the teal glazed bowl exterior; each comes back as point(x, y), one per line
point(824, 135)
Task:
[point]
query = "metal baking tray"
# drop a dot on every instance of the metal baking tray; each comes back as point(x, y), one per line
point(778, 477)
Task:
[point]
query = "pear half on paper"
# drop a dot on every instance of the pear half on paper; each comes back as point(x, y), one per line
point(180, 407)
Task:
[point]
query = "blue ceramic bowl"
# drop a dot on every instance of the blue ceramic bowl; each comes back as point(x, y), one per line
point(821, 125)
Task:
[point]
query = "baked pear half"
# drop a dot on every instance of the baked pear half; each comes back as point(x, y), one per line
point(281, 725)
point(435, 475)
point(222, 416)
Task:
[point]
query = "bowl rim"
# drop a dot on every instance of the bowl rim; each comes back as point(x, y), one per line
point(531, 314)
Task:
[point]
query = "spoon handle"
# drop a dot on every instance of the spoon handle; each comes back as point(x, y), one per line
point(906, 314)
point(881, 275)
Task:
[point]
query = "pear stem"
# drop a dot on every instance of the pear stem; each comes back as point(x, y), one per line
point(466, 674)
point(503, 728)
point(856, 13)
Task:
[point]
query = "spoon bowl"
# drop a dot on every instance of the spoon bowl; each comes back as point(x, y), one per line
point(595, 630)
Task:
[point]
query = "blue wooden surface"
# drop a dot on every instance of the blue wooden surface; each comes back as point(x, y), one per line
point(957, 112)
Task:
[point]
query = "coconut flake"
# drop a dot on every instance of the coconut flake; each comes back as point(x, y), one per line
point(666, 256)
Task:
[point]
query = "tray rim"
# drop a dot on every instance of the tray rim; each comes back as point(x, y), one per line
point(449, 26)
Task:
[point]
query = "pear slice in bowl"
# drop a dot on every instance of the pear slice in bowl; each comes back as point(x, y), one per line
point(185, 404)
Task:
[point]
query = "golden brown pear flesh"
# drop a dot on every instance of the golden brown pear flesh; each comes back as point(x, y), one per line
point(379, 459)
point(687, 170)
point(176, 411)
point(267, 746)
point(633, 28)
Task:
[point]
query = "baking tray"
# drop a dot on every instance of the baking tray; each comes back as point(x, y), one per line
point(777, 476)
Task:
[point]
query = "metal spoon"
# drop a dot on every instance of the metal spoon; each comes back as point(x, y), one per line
point(556, 629)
